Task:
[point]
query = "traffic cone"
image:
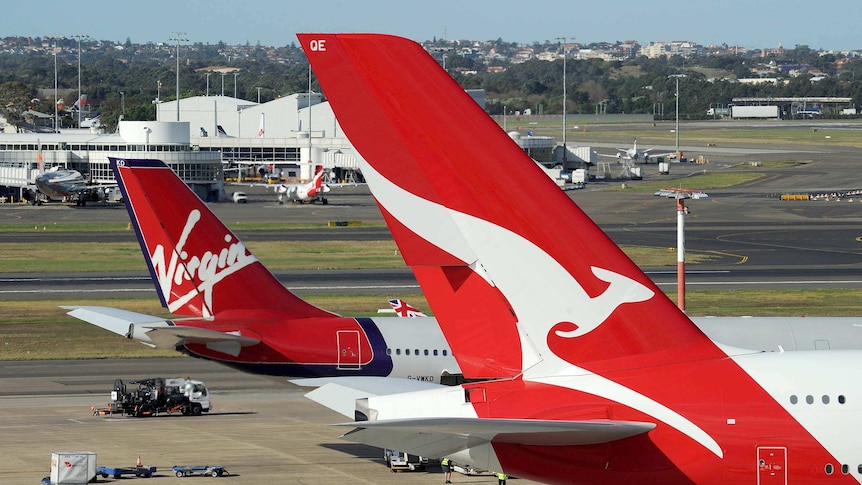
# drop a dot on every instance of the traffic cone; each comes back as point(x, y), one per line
point(138, 463)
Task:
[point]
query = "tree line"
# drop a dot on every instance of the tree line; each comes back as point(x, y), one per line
point(640, 85)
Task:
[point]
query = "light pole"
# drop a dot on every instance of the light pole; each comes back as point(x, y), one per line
point(123, 102)
point(222, 84)
point(56, 108)
point(676, 131)
point(179, 38)
point(565, 42)
point(234, 84)
point(208, 83)
point(79, 37)
point(258, 94)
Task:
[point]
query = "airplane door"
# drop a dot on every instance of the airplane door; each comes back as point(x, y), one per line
point(348, 350)
point(771, 465)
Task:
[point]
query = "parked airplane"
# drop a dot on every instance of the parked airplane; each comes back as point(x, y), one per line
point(240, 315)
point(598, 377)
point(310, 192)
point(633, 154)
point(63, 182)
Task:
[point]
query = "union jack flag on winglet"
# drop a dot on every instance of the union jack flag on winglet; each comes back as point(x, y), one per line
point(403, 309)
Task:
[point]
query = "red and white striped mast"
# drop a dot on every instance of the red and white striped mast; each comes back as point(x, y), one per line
point(680, 195)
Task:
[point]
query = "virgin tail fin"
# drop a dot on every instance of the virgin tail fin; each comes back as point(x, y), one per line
point(199, 267)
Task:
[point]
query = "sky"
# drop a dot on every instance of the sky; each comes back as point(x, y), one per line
point(822, 24)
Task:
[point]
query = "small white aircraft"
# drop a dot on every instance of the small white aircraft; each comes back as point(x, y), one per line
point(310, 192)
point(633, 154)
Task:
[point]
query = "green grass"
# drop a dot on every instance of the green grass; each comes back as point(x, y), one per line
point(41, 330)
point(703, 181)
point(81, 258)
point(723, 132)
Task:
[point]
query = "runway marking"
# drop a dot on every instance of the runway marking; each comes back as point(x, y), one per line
point(792, 282)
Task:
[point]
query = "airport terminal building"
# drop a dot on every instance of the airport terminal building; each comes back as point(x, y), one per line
point(21, 154)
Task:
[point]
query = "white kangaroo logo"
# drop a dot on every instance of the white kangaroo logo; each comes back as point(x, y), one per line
point(621, 290)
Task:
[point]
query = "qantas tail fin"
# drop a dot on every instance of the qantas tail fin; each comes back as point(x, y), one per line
point(526, 269)
point(199, 267)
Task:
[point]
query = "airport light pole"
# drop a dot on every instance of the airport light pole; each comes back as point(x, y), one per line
point(79, 37)
point(565, 41)
point(222, 84)
point(258, 94)
point(178, 36)
point(123, 102)
point(676, 131)
point(234, 84)
point(680, 195)
point(208, 83)
point(56, 108)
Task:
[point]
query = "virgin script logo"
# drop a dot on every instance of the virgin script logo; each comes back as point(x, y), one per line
point(203, 271)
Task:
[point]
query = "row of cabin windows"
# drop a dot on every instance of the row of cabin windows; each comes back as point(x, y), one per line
point(433, 352)
point(825, 399)
point(845, 469)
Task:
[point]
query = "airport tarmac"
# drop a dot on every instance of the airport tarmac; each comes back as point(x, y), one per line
point(261, 430)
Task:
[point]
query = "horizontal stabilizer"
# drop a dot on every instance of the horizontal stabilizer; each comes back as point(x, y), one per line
point(112, 319)
point(159, 332)
point(340, 393)
point(445, 436)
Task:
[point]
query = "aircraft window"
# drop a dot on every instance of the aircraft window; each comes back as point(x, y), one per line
point(397, 351)
point(841, 400)
point(388, 351)
point(406, 351)
point(829, 468)
point(825, 399)
point(859, 469)
point(435, 352)
point(845, 469)
point(444, 352)
point(416, 352)
point(426, 351)
point(809, 399)
point(794, 399)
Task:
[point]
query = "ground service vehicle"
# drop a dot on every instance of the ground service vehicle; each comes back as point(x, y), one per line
point(158, 395)
point(399, 460)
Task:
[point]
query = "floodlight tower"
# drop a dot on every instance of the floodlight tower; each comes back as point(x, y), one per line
point(79, 38)
point(565, 41)
point(178, 37)
point(680, 195)
point(676, 131)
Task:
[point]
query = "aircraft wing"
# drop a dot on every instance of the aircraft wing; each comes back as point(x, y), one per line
point(436, 437)
point(621, 154)
point(340, 393)
point(158, 332)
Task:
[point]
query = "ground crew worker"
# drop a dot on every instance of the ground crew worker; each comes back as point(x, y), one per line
point(501, 478)
point(446, 466)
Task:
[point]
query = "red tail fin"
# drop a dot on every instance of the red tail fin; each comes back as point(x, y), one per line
point(551, 284)
point(198, 265)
